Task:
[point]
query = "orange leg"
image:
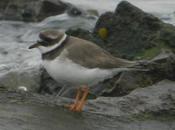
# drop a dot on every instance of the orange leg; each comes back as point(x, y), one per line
point(82, 102)
point(73, 106)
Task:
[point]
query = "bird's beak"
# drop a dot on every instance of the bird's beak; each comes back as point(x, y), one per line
point(34, 46)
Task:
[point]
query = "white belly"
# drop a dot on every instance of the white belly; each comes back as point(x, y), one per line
point(66, 72)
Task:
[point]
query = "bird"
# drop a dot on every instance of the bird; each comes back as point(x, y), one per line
point(77, 63)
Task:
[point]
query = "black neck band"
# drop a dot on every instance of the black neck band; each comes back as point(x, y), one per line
point(56, 49)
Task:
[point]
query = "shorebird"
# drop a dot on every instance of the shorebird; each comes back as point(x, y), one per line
point(77, 63)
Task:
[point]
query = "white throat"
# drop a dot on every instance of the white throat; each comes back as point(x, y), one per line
point(44, 49)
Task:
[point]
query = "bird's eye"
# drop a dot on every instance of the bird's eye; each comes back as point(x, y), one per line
point(43, 43)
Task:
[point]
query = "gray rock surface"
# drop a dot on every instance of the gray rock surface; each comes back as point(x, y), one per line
point(24, 77)
point(156, 100)
point(151, 108)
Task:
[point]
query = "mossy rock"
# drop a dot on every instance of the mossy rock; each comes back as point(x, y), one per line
point(132, 33)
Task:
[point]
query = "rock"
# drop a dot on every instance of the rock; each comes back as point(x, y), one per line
point(38, 112)
point(142, 103)
point(34, 10)
point(73, 11)
point(146, 103)
point(127, 82)
point(50, 8)
point(134, 33)
point(48, 85)
point(27, 15)
point(81, 33)
point(93, 12)
point(26, 77)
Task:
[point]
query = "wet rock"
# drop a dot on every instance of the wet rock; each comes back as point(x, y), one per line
point(48, 85)
point(26, 77)
point(93, 12)
point(81, 33)
point(153, 101)
point(50, 8)
point(134, 33)
point(34, 10)
point(27, 15)
point(73, 11)
point(32, 111)
point(147, 108)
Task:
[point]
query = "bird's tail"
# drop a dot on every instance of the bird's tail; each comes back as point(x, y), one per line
point(140, 66)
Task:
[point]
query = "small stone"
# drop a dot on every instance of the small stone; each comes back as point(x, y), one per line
point(22, 89)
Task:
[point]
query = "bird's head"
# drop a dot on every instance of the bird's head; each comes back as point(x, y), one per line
point(49, 40)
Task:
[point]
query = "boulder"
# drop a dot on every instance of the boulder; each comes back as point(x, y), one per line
point(74, 11)
point(144, 103)
point(21, 111)
point(50, 8)
point(34, 10)
point(28, 78)
point(48, 85)
point(155, 102)
point(135, 34)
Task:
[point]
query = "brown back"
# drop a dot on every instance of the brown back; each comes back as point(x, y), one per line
point(90, 55)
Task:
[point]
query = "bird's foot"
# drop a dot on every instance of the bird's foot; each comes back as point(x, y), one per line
point(80, 100)
point(74, 107)
point(83, 99)
point(71, 107)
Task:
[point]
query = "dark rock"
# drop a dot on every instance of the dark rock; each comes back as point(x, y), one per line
point(87, 35)
point(150, 102)
point(27, 15)
point(34, 10)
point(49, 8)
point(93, 12)
point(73, 11)
point(48, 85)
point(134, 33)
point(84, 34)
